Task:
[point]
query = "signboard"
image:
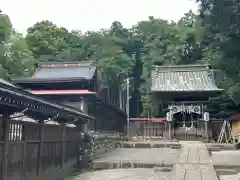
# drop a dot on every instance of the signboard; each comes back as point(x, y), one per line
point(185, 108)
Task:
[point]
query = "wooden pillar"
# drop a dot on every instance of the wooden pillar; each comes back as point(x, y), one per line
point(184, 119)
point(169, 130)
point(40, 148)
point(6, 127)
point(206, 119)
point(24, 137)
point(84, 108)
point(169, 122)
point(63, 143)
point(206, 129)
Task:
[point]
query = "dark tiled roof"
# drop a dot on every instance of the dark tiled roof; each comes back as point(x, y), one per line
point(54, 108)
point(57, 71)
point(65, 71)
point(184, 78)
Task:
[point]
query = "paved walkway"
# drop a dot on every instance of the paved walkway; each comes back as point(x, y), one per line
point(191, 162)
point(123, 174)
point(194, 162)
point(148, 156)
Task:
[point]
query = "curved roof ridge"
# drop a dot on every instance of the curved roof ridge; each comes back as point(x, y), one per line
point(65, 62)
point(189, 67)
point(77, 63)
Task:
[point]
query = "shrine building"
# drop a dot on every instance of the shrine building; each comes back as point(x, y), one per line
point(76, 84)
point(181, 93)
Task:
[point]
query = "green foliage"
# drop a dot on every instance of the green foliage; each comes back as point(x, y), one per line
point(221, 23)
point(15, 57)
point(211, 37)
point(5, 27)
point(220, 107)
point(46, 40)
point(166, 43)
point(20, 59)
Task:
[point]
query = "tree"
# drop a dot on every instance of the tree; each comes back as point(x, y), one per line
point(220, 107)
point(221, 22)
point(5, 31)
point(20, 60)
point(15, 57)
point(46, 40)
point(119, 52)
point(165, 43)
point(5, 27)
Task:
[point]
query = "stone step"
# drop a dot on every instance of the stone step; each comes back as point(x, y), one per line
point(214, 148)
point(148, 144)
point(228, 177)
point(162, 169)
point(226, 171)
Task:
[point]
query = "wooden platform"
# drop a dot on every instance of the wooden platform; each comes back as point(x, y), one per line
point(194, 162)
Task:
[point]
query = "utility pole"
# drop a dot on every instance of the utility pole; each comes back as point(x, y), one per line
point(127, 107)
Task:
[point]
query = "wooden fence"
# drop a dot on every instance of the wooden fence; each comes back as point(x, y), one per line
point(152, 129)
point(31, 151)
point(162, 130)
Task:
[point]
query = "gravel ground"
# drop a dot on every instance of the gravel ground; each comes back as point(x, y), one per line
point(122, 174)
point(143, 155)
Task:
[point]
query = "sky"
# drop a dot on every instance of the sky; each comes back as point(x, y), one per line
point(92, 14)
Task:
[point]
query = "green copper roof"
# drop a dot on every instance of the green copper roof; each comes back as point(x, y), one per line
point(183, 78)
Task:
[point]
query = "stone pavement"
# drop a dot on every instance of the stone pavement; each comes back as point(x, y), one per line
point(229, 177)
point(194, 162)
point(123, 174)
point(191, 162)
point(150, 157)
point(226, 158)
point(229, 160)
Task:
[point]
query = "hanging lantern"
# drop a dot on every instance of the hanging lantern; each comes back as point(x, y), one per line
point(206, 116)
point(197, 109)
point(169, 116)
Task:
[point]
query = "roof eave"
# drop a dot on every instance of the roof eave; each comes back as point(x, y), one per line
point(187, 91)
point(34, 80)
point(28, 95)
point(65, 62)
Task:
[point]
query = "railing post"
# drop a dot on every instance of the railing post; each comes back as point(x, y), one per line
point(6, 128)
point(40, 148)
point(63, 144)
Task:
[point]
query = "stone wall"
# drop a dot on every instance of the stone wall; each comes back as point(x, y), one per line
point(96, 144)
